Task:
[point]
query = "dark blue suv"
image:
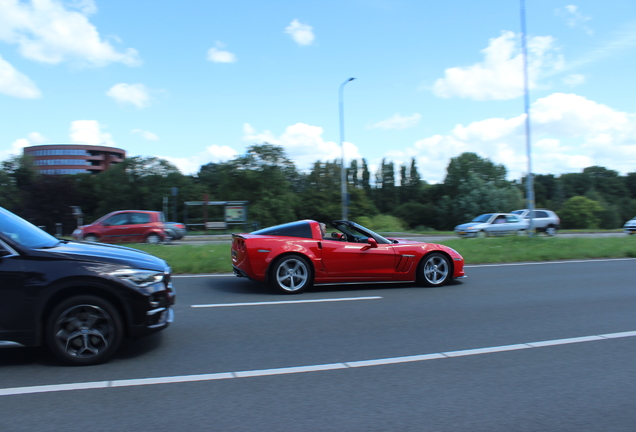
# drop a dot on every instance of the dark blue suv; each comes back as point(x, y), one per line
point(80, 299)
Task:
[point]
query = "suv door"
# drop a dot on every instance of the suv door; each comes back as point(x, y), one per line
point(14, 322)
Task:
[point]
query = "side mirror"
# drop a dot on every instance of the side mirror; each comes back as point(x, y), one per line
point(371, 244)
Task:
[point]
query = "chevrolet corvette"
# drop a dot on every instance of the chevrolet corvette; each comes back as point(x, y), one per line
point(294, 256)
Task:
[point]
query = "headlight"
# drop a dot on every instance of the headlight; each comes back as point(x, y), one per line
point(139, 278)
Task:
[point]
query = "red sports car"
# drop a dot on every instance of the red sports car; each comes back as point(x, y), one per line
point(296, 255)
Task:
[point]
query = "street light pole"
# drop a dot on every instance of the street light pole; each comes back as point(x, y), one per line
point(343, 169)
point(526, 97)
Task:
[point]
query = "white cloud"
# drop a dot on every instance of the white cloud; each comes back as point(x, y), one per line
point(569, 133)
point(500, 75)
point(573, 80)
point(302, 34)
point(49, 31)
point(16, 147)
point(13, 83)
point(192, 164)
point(303, 144)
point(89, 132)
point(218, 55)
point(574, 18)
point(147, 135)
point(134, 94)
point(397, 121)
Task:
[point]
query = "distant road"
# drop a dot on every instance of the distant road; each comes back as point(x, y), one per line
point(226, 238)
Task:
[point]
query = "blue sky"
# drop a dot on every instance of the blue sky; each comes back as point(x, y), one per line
point(199, 81)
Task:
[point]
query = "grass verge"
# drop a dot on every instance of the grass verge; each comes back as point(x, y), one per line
point(190, 259)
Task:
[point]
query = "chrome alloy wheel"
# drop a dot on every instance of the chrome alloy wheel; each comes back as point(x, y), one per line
point(436, 270)
point(84, 331)
point(292, 275)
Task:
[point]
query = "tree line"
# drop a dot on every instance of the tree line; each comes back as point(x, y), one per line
point(278, 192)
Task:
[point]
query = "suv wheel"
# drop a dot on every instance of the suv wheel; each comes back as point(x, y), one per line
point(84, 330)
point(91, 238)
point(551, 230)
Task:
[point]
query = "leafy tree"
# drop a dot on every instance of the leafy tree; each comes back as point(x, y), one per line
point(580, 212)
point(366, 176)
point(467, 165)
point(476, 197)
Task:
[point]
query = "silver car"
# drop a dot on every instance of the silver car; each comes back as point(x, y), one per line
point(630, 226)
point(492, 224)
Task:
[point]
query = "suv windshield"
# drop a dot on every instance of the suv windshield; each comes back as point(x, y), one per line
point(23, 232)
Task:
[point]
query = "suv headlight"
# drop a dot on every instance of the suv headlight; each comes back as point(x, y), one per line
point(138, 277)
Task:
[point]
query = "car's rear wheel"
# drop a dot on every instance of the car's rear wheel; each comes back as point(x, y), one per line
point(551, 230)
point(434, 270)
point(91, 238)
point(153, 238)
point(291, 274)
point(84, 330)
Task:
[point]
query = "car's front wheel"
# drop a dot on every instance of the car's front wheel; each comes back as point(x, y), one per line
point(434, 270)
point(91, 238)
point(84, 330)
point(291, 274)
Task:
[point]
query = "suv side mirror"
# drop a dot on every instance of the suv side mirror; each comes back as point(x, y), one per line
point(371, 244)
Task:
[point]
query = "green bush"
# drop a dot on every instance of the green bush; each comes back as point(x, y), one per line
point(579, 213)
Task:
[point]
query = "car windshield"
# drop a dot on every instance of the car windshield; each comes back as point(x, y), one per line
point(482, 218)
point(517, 212)
point(23, 232)
point(356, 230)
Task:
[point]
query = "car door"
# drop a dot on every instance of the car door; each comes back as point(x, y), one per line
point(515, 224)
point(498, 225)
point(139, 225)
point(14, 322)
point(115, 229)
point(353, 261)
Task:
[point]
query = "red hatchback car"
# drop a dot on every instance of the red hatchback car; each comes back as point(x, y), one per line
point(125, 226)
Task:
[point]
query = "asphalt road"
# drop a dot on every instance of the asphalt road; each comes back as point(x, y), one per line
point(493, 352)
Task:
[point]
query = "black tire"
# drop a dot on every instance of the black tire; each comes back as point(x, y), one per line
point(481, 234)
point(153, 238)
point(551, 230)
point(291, 274)
point(91, 238)
point(434, 270)
point(84, 330)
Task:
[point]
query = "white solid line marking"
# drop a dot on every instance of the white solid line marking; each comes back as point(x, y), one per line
point(548, 262)
point(486, 350)
point(301, 369)
point(289, 370)
point(284, 302)
point(394, 360)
